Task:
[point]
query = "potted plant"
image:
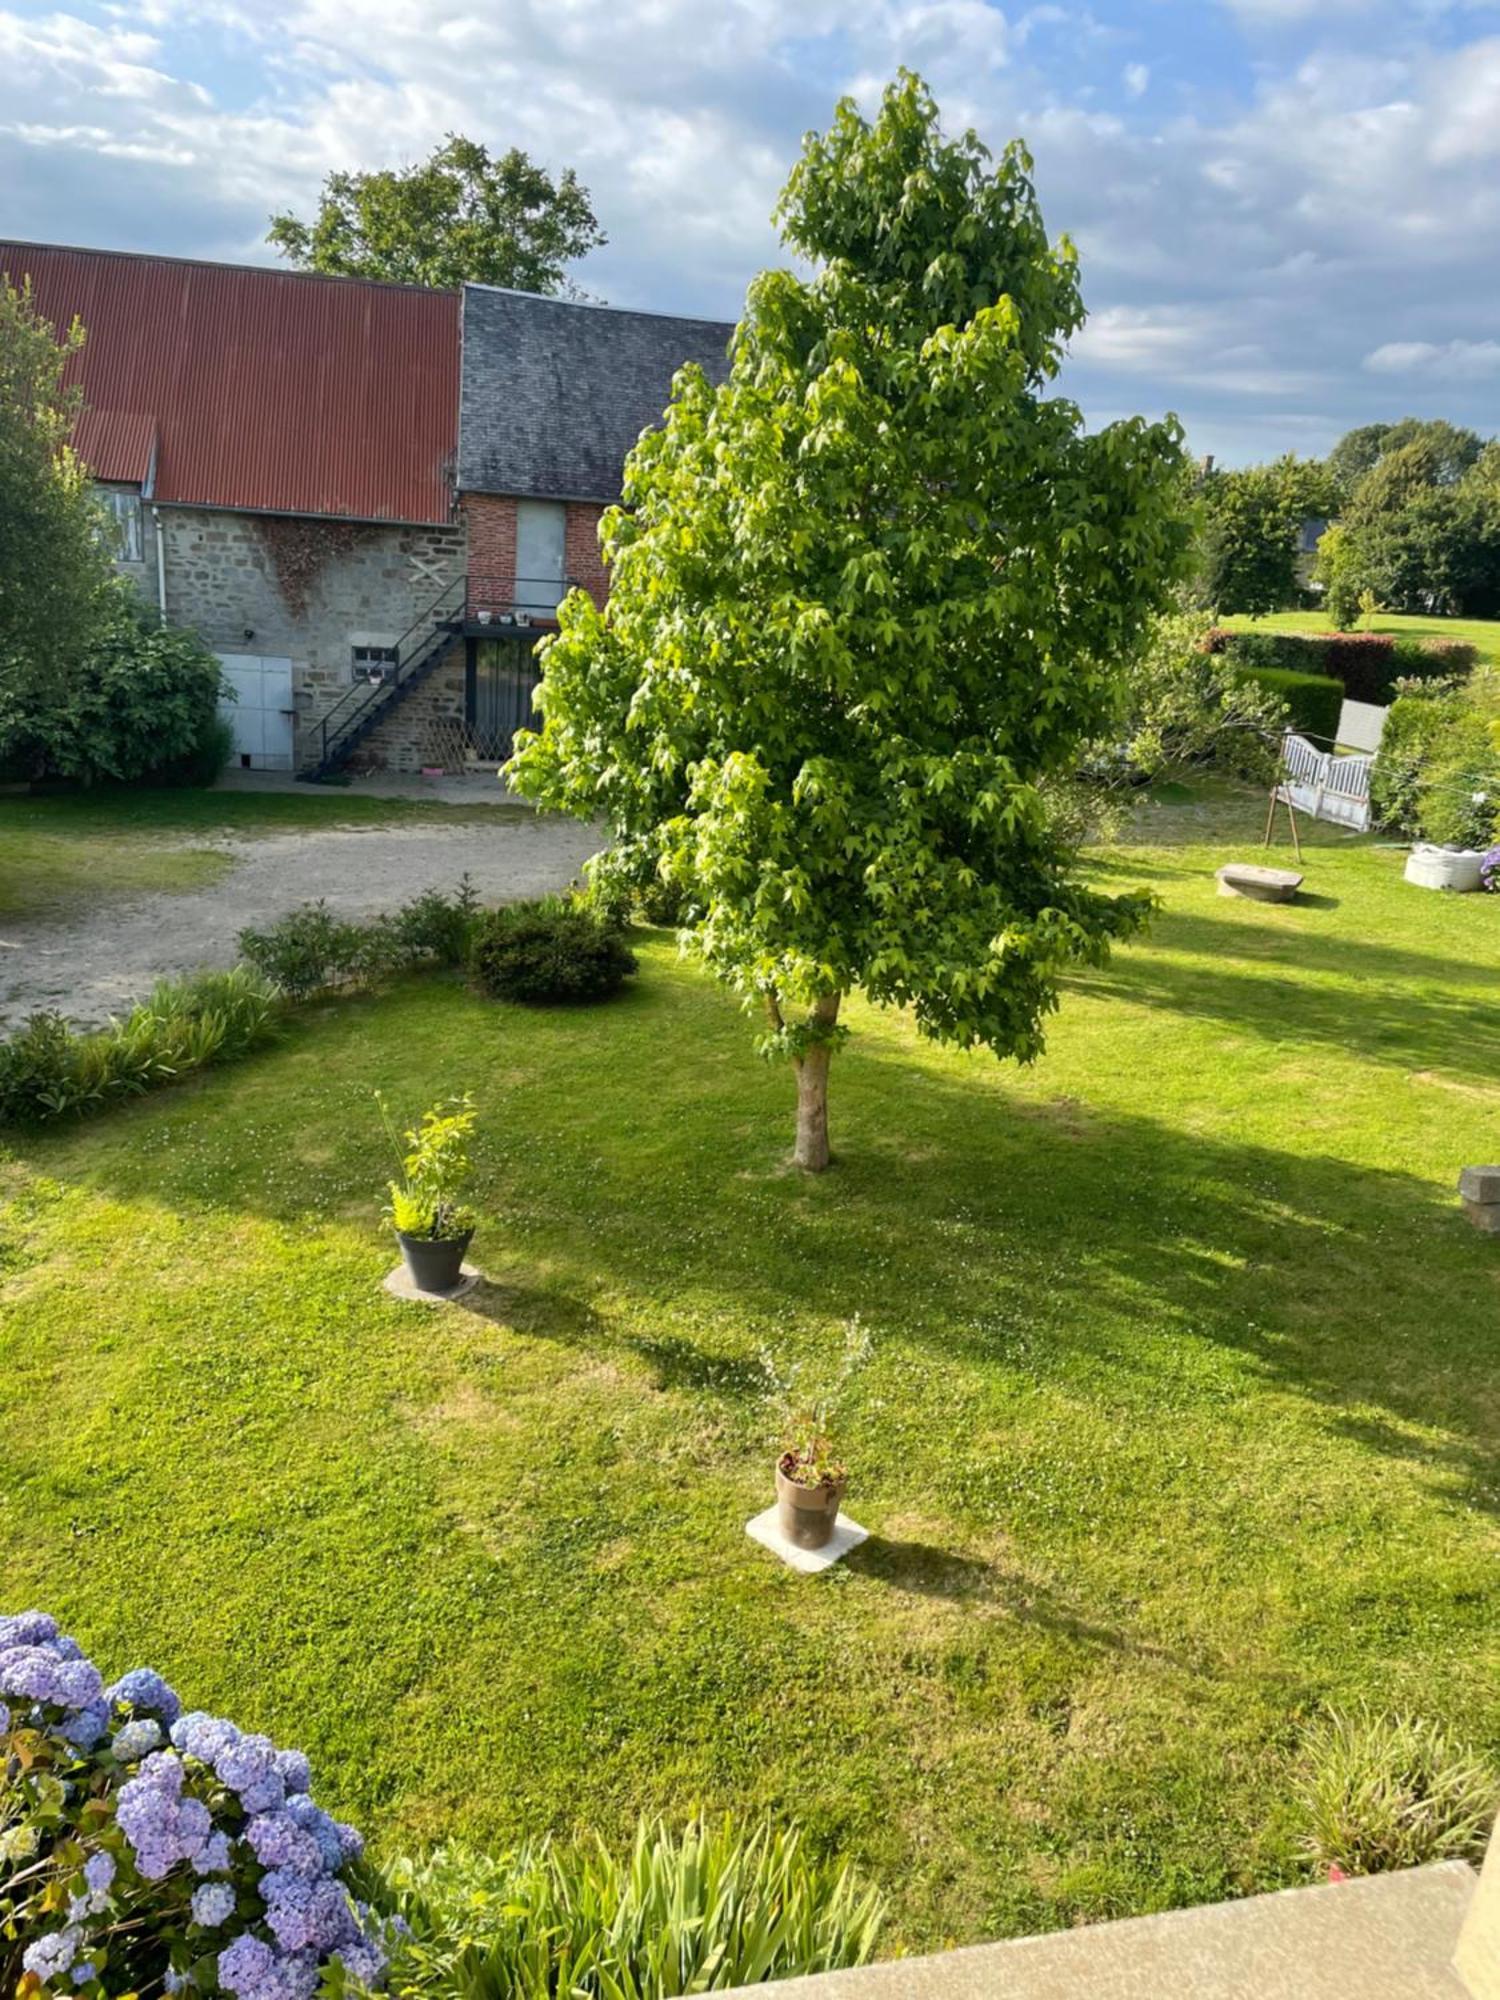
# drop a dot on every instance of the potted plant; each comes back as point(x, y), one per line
point(810, 1472)
point(433, 1225)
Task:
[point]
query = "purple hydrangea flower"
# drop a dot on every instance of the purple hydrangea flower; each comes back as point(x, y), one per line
point(136, 1740)
point(213, 1857)
point(1489, 870)
point(203, 1736)
point(4, 1718)
point(213, 1905)
point(294, 1770)
point(51, 1957)
point(161, 1825)
point(26, 1628)
point(99, 1873)
point(85, 1726)
point(248, 1767)
point(147, 1694)
point(38, 1672)
point(246, 1965)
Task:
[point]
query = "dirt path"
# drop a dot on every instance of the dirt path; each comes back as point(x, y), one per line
point(93, 963)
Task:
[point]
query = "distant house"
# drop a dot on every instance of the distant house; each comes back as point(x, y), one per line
point(1309, 534)
point(366, 497)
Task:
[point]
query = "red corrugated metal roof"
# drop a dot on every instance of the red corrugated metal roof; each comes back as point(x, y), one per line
point(270, 391)
point(116, 444)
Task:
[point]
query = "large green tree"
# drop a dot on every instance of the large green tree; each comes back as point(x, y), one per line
point(868, 596)
point(54, 566)
point(460, 215)
point(1252, 519)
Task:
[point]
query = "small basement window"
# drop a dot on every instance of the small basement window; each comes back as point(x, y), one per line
point(124, 511)
point(372, 663)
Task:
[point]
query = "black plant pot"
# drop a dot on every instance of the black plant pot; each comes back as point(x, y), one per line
point(436, 1263)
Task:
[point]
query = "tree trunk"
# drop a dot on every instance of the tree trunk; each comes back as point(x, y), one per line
point(812, 1153)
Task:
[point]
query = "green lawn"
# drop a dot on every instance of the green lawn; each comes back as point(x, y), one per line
point(59, 851)
point(1183, 1417)
point(1481, 632)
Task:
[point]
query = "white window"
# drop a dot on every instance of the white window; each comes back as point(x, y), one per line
point(373, 663)
point(124, 511)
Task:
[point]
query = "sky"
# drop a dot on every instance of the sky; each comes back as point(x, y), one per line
point(1287, 211)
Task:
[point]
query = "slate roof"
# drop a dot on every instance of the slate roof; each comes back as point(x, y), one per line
point(553, 394)
point(250, 387)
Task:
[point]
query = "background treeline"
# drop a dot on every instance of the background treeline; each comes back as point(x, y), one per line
point(1413, 514)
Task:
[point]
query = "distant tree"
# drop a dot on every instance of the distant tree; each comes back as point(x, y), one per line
point(1419, 537)
point(867, 597)
point(54, 565)
point(1336, 566)
point(1252, 520)
point(1354, 454)
point(460, 215)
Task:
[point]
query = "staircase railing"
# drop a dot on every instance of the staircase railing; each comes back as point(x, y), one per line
point(504, 605)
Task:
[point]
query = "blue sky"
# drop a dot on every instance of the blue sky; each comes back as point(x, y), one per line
point(1288, 210)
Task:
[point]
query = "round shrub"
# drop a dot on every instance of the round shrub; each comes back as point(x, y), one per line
point(147, 1851)
point(549, 951)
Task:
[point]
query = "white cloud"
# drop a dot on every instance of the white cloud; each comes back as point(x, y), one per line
point(1453, 360)
point(1250, 244)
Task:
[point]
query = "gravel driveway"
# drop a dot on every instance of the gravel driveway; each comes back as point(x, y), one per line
point(95, 963)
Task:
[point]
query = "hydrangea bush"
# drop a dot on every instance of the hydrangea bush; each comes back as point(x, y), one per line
point(145, 1851)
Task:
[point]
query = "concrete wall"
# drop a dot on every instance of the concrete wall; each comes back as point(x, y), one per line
point(222, 582)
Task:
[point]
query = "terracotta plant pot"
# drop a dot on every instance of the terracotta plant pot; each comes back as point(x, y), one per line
point(806, 1514)
point(436, 1263)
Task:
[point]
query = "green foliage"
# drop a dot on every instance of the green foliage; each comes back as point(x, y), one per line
point(48, 1071)
point(1251, 522)
point(435, 1170)
point(1367, 665)
point(460, 216)
point(1392, 1791)
point(143, 709)
point(1421, 527)
point(310, 949)
point(1309, 702)
point(1437, 776)
point(556, 949)
point(695, 1912)
point(806, 1401)
point(1336, 567)
point(54, 568)
point(867, 597)
point(1182, 705)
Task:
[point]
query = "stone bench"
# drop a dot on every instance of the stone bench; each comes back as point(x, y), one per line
point(1480, 1189)
point(1260, 885)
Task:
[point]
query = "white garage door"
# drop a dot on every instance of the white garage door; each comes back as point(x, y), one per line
point(261, 715)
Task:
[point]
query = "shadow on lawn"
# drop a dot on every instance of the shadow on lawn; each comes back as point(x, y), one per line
point(1389, 1005)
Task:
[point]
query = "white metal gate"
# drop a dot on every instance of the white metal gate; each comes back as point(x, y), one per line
point(261, 715)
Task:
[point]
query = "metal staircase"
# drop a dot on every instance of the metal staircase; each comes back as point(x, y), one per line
point(492, 607)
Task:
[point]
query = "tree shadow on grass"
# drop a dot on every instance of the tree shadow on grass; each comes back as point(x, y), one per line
point(932, 1571)
point(1392, 1006)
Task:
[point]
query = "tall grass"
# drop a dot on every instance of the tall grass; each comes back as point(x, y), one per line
point(712, 1907)
point(1392, 1791)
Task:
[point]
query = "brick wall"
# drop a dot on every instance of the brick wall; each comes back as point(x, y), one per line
point(491, 519)
point(582, 561)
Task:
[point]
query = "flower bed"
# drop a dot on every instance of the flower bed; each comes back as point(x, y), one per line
point(144, 1850)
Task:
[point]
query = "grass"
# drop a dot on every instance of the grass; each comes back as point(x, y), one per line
point(1484, 633)
point(59, 852)
point(1182, 1420)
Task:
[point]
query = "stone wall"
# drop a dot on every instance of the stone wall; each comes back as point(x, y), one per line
point(372, 583)
point(424, 726)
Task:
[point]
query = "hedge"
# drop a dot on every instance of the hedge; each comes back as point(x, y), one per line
point(1366, 665)
point(1313, 701)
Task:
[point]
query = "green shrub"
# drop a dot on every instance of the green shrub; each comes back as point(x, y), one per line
point(310, 949)
point(708, 1909)
point(1312, 701)
point(555, 949)
point(143, 707)
point(1366, 664)
point(1391, 1791)
point(306, 950)
point(1417, 721)
point(49, 1071)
